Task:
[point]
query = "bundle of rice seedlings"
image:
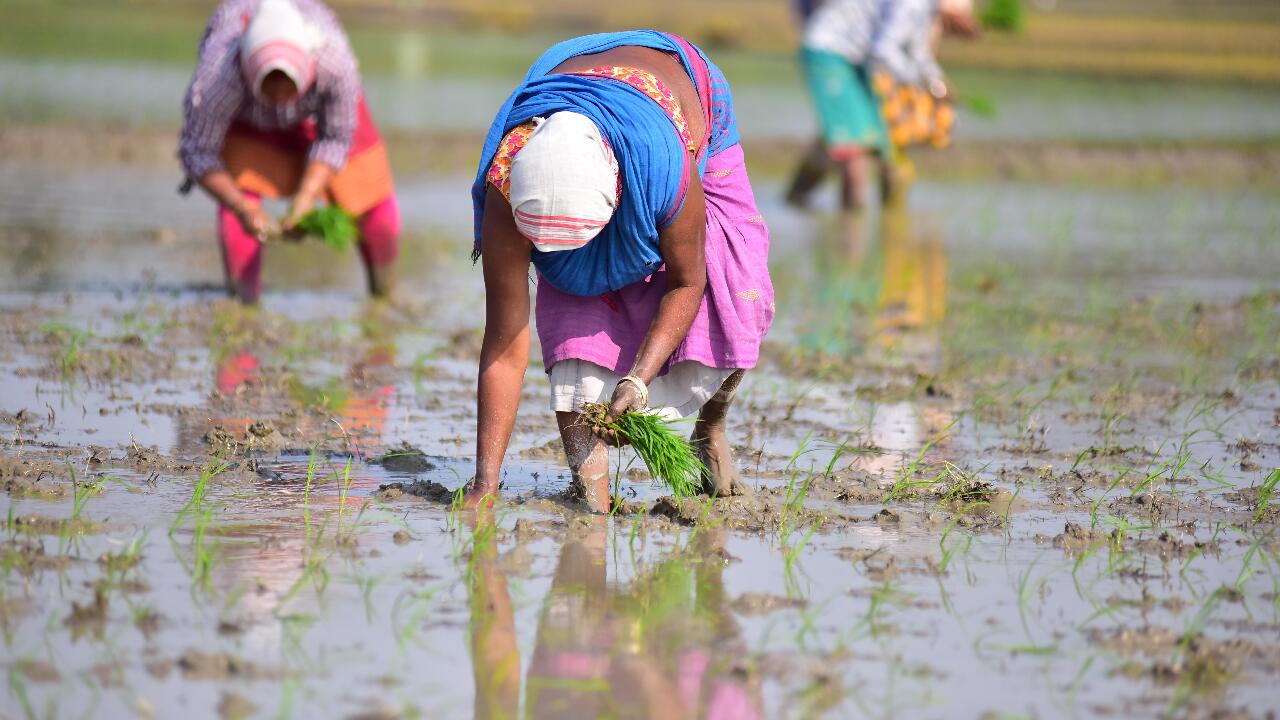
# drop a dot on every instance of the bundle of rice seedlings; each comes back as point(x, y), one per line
point(668, 455)
point(331, 224)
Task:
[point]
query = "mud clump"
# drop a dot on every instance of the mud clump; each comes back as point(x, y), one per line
point(29, 558)
point(1077, 538)
point(550, 451)
point(45, 525)
point(38, 671)
point(197, 665)
point(407, 459)
point(756, 604)
point(761, 512)
point(38, 487)
point(145, 458)
point(30, 479)
point(425, 489)
point(90, 617)
point(221, 439)
point(232, 706)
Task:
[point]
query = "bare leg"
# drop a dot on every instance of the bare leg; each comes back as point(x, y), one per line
point(381, 279)
point(712, 443)
point(854, 180)
point(896, 174)
point(588, 461)
point(813, 168)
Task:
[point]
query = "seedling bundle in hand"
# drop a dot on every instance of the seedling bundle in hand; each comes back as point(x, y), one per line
point(332, 225)
point(668, 455)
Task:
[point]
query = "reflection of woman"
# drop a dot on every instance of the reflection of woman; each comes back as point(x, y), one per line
point(615, 170)
point(654, 648)
point(275, 110)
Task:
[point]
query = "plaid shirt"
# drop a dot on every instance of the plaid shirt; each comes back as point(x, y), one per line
point(219, 94)
point(894, 34)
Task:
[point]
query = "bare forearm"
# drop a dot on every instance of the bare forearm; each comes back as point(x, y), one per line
point(498, 399)
point(222, 188)
point(669, 328)
point(315, 179)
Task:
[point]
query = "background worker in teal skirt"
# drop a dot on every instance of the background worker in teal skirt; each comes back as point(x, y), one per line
point(842, 41)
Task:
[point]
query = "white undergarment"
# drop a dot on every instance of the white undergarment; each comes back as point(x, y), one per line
point(678, 394)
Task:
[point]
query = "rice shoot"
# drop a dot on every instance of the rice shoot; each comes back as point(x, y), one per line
point(669, 456)
point(332, 225)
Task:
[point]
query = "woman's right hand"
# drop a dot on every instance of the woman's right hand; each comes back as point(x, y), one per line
point(257, 222)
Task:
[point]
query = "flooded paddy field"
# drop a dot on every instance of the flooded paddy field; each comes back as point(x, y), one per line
point(1014, 449)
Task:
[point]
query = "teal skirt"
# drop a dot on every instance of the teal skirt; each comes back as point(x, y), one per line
point(848, 109)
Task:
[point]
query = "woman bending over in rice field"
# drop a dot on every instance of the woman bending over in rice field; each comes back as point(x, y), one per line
point(615, 169)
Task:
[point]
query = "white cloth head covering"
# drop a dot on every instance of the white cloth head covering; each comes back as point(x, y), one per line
point(564, 183)
point(280, 38)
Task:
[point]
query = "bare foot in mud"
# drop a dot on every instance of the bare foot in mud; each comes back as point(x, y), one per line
point(721, 478)
point(479, 496)
point(588, 461)
point(594, 492)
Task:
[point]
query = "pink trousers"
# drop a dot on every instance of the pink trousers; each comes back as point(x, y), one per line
point(242, 253)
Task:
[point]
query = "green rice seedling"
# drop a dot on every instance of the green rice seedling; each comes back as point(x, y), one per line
point(332, 225)
point(195, 503)
point(306, 493)
point(313, 572)
point(792, 504)
point(18, 689)
point(949, 551)
point(367, 584)
point(1266, 493)
point(808, 623)
point(346, 536)
point(82, 492)
point(1025, 591)
point(635, 532)
point(1093, 507)
point(119, 563)
point(904, 483)
point(1198, 551)
point(73, 339)
point(801, 450)
point(408, 613)
point(455, 505)
point(343, 490)
point(1246, 567)
point(202, 564)
point(669, 457)
point(881, 598)
point(790, 562)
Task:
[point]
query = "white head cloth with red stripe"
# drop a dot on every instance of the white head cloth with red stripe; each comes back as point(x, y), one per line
point(280, 38)
point(564, 183)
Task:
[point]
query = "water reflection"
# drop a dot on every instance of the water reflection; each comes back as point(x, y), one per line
point(888, 277)
point(880, 294)
point(257, 376)
point(659, 645)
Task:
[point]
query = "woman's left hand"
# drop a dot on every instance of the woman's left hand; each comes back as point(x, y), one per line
point(302, 204)
point(627, 397)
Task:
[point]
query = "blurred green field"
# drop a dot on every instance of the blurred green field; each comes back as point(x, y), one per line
point(1236, 41)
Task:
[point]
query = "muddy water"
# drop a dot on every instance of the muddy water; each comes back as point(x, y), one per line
point(1006, 446)
point(1034, 108)
point(1010, 447)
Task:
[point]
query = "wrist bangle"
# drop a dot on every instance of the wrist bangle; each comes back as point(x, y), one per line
point(644, 389)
